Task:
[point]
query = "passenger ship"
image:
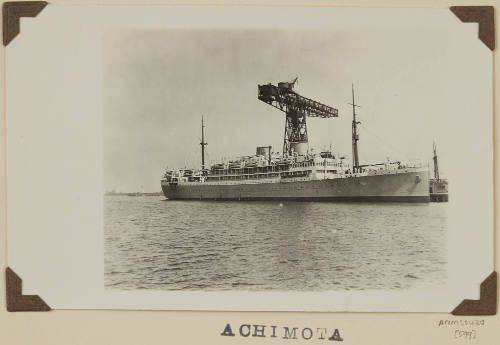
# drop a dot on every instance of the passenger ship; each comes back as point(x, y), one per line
point(298, 173)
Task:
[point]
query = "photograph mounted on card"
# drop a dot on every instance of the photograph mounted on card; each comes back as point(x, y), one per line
point(249, 158)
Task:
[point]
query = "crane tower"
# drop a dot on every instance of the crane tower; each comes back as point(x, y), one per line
point(296, 108)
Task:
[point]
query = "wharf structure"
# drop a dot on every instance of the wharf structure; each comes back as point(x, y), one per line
point(438, 187)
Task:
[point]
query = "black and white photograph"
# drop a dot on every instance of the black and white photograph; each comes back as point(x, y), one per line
point(258, 158)
point(185, 172)
point(275, 160)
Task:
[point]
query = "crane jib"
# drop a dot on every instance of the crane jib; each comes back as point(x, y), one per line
point(284, 98)
point(297, 108)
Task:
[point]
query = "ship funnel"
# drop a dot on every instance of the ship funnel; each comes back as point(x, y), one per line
point(299, 148)
point(265, 151)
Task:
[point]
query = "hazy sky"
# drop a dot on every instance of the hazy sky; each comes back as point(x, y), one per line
point(158, 84)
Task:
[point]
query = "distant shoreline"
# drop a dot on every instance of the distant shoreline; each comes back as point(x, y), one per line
point(134, 194)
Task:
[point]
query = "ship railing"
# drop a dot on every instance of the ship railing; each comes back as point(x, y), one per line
point(243, 177)
point(250, 170)
point(391, 165)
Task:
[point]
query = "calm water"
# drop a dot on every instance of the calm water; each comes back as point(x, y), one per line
point(153, 243)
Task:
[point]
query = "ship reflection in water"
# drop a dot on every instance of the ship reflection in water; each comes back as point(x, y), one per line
point(277, 245)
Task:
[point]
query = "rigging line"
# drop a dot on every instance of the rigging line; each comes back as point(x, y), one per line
point(387, 150)
point(209, 159)
point(387, 145)
point(191, 156)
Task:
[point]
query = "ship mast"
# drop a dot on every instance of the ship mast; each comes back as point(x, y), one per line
point(355, 135)
point(203, 144)
point(435, 158)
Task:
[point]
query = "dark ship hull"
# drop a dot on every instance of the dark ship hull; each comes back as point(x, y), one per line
point(410, 185)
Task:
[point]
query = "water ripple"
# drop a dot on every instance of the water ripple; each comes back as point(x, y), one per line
point(305, 246)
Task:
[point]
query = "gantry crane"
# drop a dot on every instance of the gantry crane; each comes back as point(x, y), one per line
point(296, 108)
